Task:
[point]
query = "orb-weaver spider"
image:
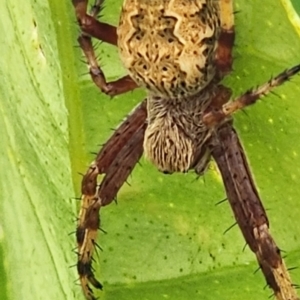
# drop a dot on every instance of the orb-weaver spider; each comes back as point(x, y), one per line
point(179, 51)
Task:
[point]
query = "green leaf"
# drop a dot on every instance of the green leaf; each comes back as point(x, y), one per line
point(165, 237)
point(36, 213)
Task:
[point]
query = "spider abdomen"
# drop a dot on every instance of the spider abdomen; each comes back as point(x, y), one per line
point(168, 46)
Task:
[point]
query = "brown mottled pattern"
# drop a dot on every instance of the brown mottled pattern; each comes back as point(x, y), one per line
point(168, 46)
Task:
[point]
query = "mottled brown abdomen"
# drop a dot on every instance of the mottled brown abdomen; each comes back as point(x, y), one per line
point(168, 46)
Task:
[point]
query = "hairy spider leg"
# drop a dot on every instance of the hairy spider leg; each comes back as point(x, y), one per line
point(218, 115)
point(228, 153)
point(241, 191)
point(115, 160)
point(248, 210)
point(91, 27)
point(226, 40)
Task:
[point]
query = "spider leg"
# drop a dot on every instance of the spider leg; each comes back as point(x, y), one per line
point(223, 58)
point(91, 27)
point(248, 209)
point(203, 158)
point(217, 116)
point(115, 160)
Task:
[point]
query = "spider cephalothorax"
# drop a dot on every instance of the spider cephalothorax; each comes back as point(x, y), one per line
point(179, 50)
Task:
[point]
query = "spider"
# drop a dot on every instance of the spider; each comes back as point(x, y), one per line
point(179, 51)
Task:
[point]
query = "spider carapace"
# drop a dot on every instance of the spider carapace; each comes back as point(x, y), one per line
point(179, 51)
